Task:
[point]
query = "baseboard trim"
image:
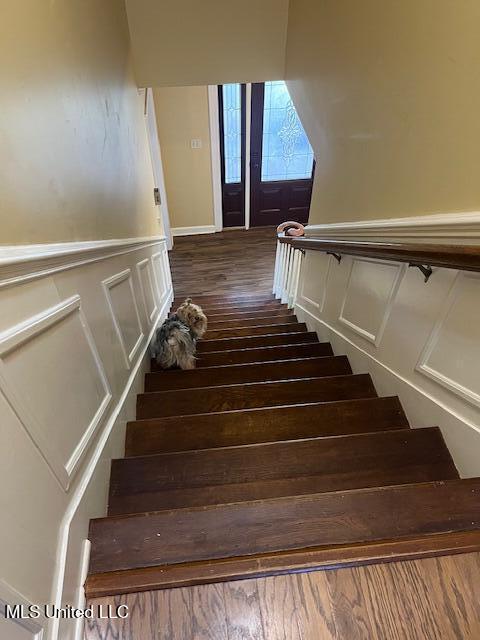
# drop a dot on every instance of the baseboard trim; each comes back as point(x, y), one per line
point(454, 226)
point(390, 371)
point(64, 529)
point(193, 231)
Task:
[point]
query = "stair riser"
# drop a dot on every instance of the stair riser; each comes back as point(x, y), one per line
point(272, 329)
point(251, 322)
point(249, 396)
point(227, 344)
point(240, 474)
point(246, 308)
point(261, 566)
point(281, 524)
point(264, 425)
point(237, 374)
point(228, 300)
point(270, 313)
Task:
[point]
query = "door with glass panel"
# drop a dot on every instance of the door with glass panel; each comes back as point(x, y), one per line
point(231, 102)
point(281, 161)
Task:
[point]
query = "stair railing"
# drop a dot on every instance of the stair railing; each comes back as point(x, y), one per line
point(424, 257)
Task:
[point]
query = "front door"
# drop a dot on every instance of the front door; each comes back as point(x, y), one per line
point(231, 103)
point(281, 160)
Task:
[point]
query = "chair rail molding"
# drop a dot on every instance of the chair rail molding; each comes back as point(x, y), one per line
point(457, 227)
point(21, 263)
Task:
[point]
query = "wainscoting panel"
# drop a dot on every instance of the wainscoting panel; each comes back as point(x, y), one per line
point(80, 393)
point(452, 354)
point(145, 277)
point(369, 296)
point(316, 269)
point(126, 319)
point(420, 341)
point(158, 268)
point(74, 331)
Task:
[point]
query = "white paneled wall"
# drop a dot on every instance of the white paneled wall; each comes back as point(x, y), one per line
point(418, 340)
point(74, 330)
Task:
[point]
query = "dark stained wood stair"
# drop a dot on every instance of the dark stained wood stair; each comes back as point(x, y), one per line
point(272, 456)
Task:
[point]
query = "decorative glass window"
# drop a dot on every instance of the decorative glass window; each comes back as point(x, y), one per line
point(232, 132)
point(286, 151)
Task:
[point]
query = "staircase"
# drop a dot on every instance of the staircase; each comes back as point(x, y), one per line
point(272, 456)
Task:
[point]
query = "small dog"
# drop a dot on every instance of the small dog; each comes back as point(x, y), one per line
point(174, 344)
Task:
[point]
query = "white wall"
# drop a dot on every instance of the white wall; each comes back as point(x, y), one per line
point(73, 333)
point(418, 340)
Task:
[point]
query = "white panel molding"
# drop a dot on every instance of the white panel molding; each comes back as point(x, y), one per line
point(321, 304)
point(16, 336)
point(21, 263)
point(82, 485)
point(374, 338)
point(108, 284)
point(423, 363)
point(398, 376)
point(193, 231)
point(36, 628)
point(213, 116)
point(159, 275)
point(144, 267)
point(454, 226)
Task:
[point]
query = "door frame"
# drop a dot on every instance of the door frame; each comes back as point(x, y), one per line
point(215, 155)
point(156, 160)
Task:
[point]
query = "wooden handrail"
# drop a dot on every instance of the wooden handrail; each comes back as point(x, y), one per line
point(466, 258)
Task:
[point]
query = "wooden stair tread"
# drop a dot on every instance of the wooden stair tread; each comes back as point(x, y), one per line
point(270, 564)
point(250, 426)
point(261, 354)
point(245, 314)
point(228, 300)
point(262, 330)
point(241, 323)
point(258, 372)
point(279, 524)
point(253, 472)
point(243, 308)
point(252, 342)
point(251, 395)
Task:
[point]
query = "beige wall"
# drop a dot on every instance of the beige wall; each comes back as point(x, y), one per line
point(389, 93)
point(73, 150)
point(199, 42)
point(182, 115)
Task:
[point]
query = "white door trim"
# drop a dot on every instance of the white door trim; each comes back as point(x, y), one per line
point(157, 166)
point(213, 115)
point(248, 127)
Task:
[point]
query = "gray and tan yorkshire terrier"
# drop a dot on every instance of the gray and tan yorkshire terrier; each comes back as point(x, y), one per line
point(174, 344)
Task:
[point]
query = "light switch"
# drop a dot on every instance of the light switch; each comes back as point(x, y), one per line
point(196, 143)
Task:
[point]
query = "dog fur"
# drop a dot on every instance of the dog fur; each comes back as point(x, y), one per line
point(174, 344)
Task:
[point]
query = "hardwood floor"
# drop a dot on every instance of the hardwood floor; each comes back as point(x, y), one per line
point(430, 599)
point(224, 263)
